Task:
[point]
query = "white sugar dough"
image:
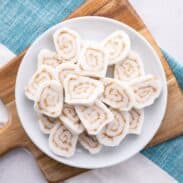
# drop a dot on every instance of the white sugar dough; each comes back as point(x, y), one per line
point(49, 58)
point(136, 119)
point(46, 123)
point(94, 117)
point(64, 70)
point(131, 68)
point(113, 133)
point(117, 94)
point(146, 89)
point(49, 99)
point(117, 45)
point(93, 60)
point(62, 141)
point(90, 143)
point(82, 90)
point(90, 92)
point(67, 43)
point(43, 74)
point(70, 119)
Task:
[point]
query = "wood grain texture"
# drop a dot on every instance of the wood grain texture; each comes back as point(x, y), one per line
point(13, 135)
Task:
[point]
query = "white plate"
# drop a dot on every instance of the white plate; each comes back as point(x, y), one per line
point(94, 28)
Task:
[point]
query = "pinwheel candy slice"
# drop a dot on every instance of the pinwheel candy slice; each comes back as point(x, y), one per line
point(94, 117)
point(81, 90)
point(43, 74)
point(46, 123)
point(62, 141)
point(49, 99)
point(90, 143)
point(136, 119)
point(70, 119)
point(146, 89)
point(131, 68)
point(93, 60)
point(113, 133)
point(64, 70)
point(67, 43)
point(49, 58)
point(117, 94)
point(117, 45)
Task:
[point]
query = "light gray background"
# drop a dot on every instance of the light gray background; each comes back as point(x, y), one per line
point(165, 20)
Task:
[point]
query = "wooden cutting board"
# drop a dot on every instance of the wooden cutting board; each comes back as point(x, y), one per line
point(13, 135)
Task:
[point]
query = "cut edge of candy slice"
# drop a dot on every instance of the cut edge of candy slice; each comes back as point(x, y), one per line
point(113, 133)
point(90, 143)
point(113, 97)
point(117, 56)
point(136, 120)
point(69, 36)
point(155, 86)
point(71, 119)
point(31, 88)
point(87, 63)
point(60, 146)
point(83, 98)
point(89, 125)
point(50, 55)
point(46, 123)
point(65, 69)
point(52, 87)
point(122, 70)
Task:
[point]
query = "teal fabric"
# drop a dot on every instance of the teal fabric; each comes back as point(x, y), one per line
point(21, 21)
point(169, 156)
point(176, 67)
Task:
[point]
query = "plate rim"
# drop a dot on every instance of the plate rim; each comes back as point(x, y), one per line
point(146, 141)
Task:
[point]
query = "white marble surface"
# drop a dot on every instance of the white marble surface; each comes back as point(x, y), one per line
point(165, 20)
point(136, 170)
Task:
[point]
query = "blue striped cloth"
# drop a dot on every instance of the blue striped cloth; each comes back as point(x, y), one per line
point(22, 21)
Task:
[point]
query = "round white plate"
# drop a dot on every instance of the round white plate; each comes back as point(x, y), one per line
point(92, 28)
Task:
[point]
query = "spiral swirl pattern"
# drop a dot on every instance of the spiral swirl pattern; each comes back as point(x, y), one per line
point(117, 94)
point(64, 70)
point(117, 45)
point(67, 43)
point(50, 99)
point(90, 143)
point(61, 141)
point(94, 117)
point(46, 123)
point(113, 133)
point(43, 74)
point(131, 68)
point(93, 61)
point(146, 89)
point(71, 120)
point(81, 90)
point(136, 119)
point(48, 58)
